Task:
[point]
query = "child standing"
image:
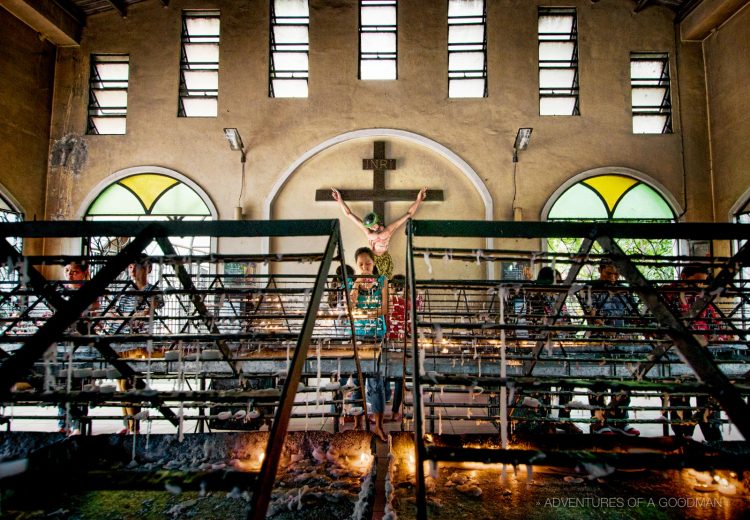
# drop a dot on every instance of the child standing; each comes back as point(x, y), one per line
point(369, 297)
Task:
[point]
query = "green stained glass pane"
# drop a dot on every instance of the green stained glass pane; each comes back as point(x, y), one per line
point(4, 206)
point(578, 202)
point(642, 203)
point(116, 200)
point(180, 200)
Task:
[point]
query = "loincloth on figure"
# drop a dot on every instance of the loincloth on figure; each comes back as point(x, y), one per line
point(384, 263)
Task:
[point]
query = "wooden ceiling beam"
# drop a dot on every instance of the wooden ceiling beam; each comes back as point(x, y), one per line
point(120, 6)
point(53, 20)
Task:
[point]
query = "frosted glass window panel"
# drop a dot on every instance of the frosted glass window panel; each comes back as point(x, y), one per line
point(109, 125)
point(466, 88)
point(111, 99)
point(646, 69)
point(648, 97)
point(287, 61)
point(202, 80)
point(291, 8)
point(561, 25)
point(556, 79)
point(557, 52)
point(203, 54)
point(290, 34)
point(462, 34)
point(466, 8)
point(113, 71)
point(649, 124)
point(378, 69)
point(378, 42)
point(200, 107)
point(378, 16)
point(557, 106)
point(198, 27)
point(459, 61)
point(290, 88)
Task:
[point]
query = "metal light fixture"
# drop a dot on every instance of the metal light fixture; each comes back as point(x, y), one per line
point(235, 143)
point(235, 140)
point(522, 141)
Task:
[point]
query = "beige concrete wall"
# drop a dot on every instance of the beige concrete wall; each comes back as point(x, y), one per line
point(480, 131)
point(26, 80)
point(727, 52)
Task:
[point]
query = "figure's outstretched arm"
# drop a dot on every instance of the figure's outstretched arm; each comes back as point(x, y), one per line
point(393, 226)
point(345, 209)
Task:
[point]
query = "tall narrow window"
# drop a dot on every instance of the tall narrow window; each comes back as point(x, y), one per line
point(649, 81)
point(199, 64)
point(558, 61)
point(467, 49)
point(108, 93)
point(377, 39)
point(289, 48)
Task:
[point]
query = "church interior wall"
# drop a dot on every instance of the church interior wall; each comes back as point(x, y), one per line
point(26, 79)
point(277, 131)
point(728, 71)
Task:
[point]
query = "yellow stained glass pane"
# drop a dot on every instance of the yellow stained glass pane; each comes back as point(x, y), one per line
point(148, 186)
point(611, 187)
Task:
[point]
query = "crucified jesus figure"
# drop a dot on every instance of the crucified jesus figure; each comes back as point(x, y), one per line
point(379, 235)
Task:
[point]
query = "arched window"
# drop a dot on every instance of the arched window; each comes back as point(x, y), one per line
point(9, 213)
point(742, 216)
point(149, 196)
point(614, 198)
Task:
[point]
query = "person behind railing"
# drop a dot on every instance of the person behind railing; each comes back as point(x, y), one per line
point(610, 308)
point(707, 413)
point(369, 299)
point(76, 273)
point(136, 307)
point(398, 327)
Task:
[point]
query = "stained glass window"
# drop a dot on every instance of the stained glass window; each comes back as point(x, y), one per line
point(614, 197)
point(149, 196)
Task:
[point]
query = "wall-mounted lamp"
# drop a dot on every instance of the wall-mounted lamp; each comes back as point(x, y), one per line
point(235, 143)
point(235, 140)
point(522, 141)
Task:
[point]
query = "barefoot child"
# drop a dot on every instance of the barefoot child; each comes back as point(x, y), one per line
point(369, 297)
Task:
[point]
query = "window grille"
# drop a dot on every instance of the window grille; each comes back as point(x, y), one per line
point(108, 94)
point(199, 64)
point(289, 48)
point(558, 61)
point(467, 49)
point(378, 33)
point(649, 81)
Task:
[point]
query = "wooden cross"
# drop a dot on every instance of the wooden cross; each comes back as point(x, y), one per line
point(378, 194)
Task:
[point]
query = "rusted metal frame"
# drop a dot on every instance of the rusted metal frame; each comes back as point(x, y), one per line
point(725, 277)
point(687, 344)
point(34, 347)
point(696, 457)
point(575, 268)
point(40, 284)
point(187, 284)
point(420, 453)
point(277, 435)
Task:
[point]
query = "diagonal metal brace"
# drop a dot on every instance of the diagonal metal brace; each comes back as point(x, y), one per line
point(578, 261)
point(68, 312)
point(725, 277)
point(277, 435)
point(187, 284)
point(687, 344)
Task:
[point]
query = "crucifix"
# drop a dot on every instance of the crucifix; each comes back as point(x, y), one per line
point(379, 164)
